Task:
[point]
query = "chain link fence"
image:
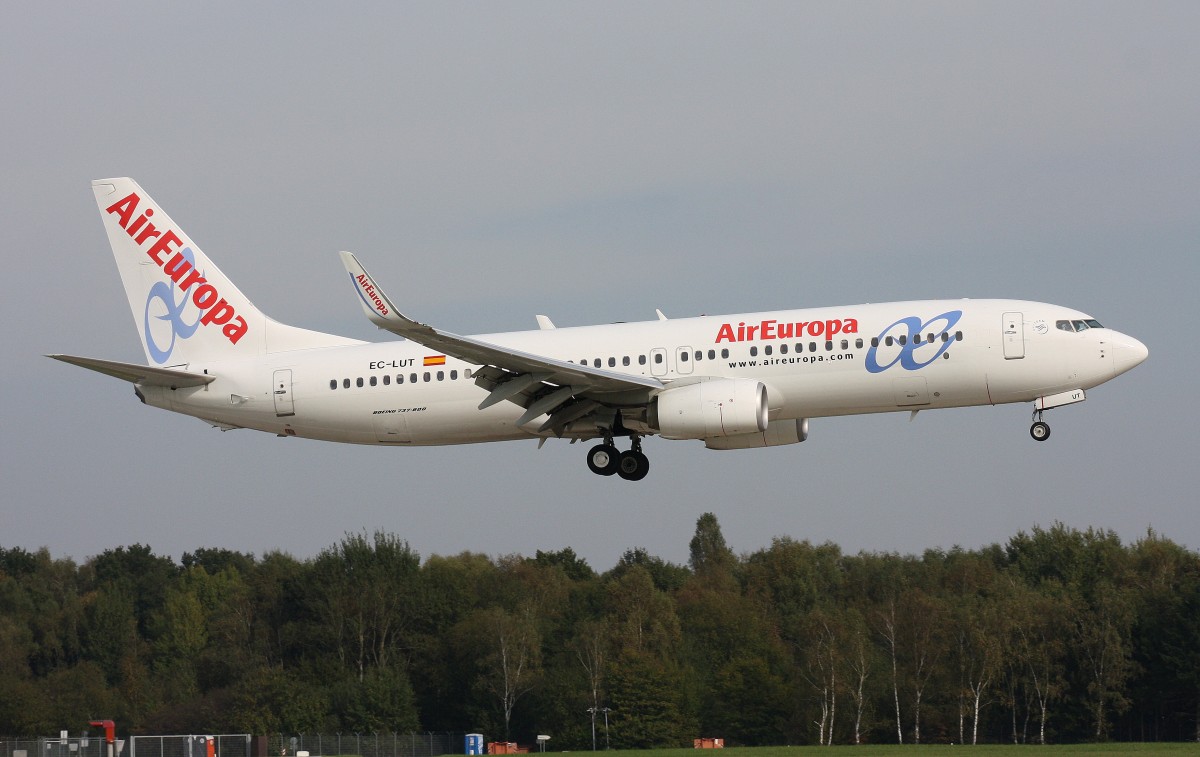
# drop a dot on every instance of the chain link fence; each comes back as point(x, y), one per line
point(377, 744)
point(223, 745)
point(46, 747)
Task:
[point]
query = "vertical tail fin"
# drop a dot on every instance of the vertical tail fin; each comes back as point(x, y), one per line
point(185, 309)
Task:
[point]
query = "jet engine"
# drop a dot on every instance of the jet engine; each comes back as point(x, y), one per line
point(710, 409)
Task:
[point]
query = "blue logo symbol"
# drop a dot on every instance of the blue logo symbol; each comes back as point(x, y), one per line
point(165, 292)
point(914, 350)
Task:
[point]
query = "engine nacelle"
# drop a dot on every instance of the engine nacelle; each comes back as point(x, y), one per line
point(777, 434)
point(711, 409)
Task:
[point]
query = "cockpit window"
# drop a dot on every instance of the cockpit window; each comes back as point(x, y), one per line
point(1080, 325)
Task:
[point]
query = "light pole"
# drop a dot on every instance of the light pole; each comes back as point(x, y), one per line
point(594, 710)
point(605, 710)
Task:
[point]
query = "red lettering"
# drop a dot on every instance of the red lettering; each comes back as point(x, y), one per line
point(850, 326)
point(725, 334)
point(162, 245)
point(149, 233)
point(177, 266)
point(750, 332)
point(236, 330)
point(785, 330)
point(141, 220)
point(193, 277)
point(833, 327)
point(816, 328)
point(220, 313)
point(768, 330)
point(205, 295)
point(124, 209)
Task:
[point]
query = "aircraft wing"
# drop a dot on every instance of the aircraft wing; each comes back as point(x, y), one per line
point(384, 314)
point(536, 382)
point(139, 374)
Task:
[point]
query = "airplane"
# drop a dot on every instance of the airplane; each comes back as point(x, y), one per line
point(742, 381)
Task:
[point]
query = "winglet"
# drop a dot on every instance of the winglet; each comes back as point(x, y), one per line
point(375, 303)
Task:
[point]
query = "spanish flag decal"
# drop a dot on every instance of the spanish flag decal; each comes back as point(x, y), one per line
point(435, 360)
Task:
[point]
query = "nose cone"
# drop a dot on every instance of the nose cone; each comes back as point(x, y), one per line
point(1127, 354)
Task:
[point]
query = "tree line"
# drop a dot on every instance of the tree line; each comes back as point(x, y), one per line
point(1060, 635)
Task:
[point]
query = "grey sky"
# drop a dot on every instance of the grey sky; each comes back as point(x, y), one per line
point(592, 162)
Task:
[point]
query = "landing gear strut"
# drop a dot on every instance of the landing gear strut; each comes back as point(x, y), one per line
point(605, 460)
point(1040, 430)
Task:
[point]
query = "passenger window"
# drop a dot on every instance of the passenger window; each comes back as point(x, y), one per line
point(753, 351)
point(767, 350)
point(641, 359)
point(374, 381)
point(399, 378)
point(333, 383)
point(699, 354)
point(387, 379)
point(958, 336)
point(712, 354)
point(945, 337)
point(426, 376)
point(683, 357)
point(888, 341)
point(783, 349)
point(625, 360)
point(812, 346)
point(845, 344)
point(453, 375)
point(858, 344)
point(724, 354)
point(612, 362)
point(875, 341)
point(903, 339)
point(412, 377)
point(829, 346)
point(441, 375)
point(658, 358)
point(467, 373)
point(596, 363)
point(345, 383)
point(359, 382)
point(799, 346)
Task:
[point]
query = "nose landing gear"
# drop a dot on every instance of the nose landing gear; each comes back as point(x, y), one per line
point(605, 460)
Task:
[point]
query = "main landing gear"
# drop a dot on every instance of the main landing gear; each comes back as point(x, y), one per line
point(605, 460)
point(1040, 430)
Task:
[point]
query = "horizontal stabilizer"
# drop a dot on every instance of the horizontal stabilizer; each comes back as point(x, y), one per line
point(139, 374)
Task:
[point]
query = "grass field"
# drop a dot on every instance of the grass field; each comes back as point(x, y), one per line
point(879, 750)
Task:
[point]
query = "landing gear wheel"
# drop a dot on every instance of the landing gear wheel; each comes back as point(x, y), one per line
point(633, 466)
point(603, 459)
point(1040, 431)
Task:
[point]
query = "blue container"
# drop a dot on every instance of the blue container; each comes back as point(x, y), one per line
point(473, 743)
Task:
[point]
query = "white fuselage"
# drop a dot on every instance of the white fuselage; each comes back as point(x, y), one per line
point(813, 363)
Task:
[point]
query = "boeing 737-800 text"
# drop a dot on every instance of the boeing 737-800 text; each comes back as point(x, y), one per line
point(734, 382)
